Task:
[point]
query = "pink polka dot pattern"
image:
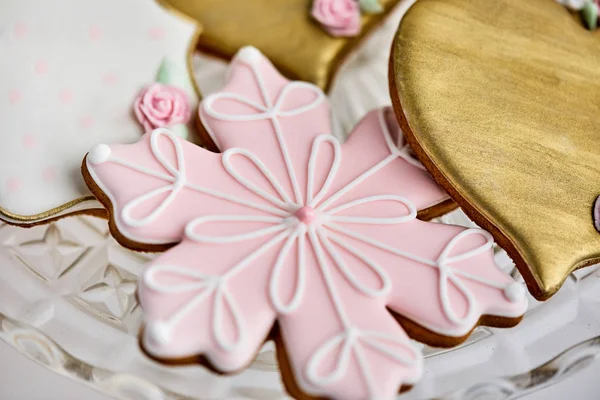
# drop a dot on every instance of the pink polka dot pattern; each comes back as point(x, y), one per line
point(86, 122)
point(110, 79)
point(95, 33)
point(13, 185)
point(49, 174)
point(156, 33)
point(21, 29)
point(14, 96)
point(58, 101)
point(29, 141)
point(65, 96)
point(41, 67)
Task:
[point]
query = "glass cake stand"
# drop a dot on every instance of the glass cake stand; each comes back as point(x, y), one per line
point(67, 299)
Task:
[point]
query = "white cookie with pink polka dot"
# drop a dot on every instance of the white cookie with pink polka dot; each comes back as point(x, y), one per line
point(71, 71)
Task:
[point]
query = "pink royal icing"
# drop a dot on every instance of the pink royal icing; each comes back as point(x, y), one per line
point(306, 215)
point(338, 17)
point(160, 106)
point(288, 224)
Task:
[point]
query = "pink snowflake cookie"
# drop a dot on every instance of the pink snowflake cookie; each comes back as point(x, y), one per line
point(289, 232)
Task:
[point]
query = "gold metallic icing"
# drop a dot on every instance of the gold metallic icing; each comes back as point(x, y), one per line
point(502, 100)
point(51, 215)
point(283, 30)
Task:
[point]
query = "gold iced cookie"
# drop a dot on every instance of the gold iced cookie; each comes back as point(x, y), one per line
point(500, 100)
point(282, 29)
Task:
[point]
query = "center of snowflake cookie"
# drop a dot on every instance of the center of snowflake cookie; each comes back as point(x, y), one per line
point(306, 215)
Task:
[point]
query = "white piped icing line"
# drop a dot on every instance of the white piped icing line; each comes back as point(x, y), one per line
point(398, 149)
point(99, 154)
point(175, 181)
point(321, 221)
point(353, 342)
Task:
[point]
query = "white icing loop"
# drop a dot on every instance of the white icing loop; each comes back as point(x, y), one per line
point(328, 349)
point(489, 242)
point(281, 202)
point(208, 103)
point(126, 212)
point(411, 208)
point(314, 153)
point(356, 182)
point(448, 274)
point(193, 280)
point(288, 90)
point(376, 269)
point(223, 299)
point(350, 338)
point(443, 264)
point(205, 285)
point(274, 290)
point(264, 111)
point(175, 170)
point(354, 342)
point(445, 276)
point(277, 225)
point(269, 110)
point(177, 177)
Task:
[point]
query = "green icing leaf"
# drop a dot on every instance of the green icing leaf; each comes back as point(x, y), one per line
point(589, 14)
point(168, 72)
point(175, 74)
point(180, 130)
point(370, 6)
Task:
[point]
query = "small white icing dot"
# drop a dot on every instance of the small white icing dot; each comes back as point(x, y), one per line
point(99, 154)
point(249, 55)
point(159, 333)
point(514, 292)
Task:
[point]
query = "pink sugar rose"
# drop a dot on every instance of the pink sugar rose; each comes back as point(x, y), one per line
point(341, 18)
point(160, 106)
